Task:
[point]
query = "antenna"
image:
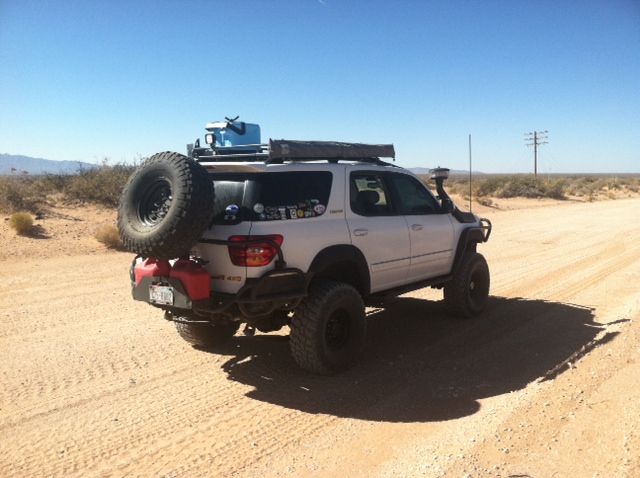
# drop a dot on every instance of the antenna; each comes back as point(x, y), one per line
point(535, 139)
point(470, 177)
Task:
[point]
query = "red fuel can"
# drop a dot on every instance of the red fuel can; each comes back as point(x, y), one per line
point(151, 268)
point(194, 278)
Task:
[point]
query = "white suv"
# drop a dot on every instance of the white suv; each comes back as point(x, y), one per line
point(294, 233)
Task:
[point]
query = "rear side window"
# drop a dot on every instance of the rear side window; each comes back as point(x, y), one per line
point(229, 192)
point(271, 196)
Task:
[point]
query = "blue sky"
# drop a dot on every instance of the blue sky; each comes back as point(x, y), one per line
point(83, 80)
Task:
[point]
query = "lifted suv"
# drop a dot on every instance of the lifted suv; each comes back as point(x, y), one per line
point(293, 233)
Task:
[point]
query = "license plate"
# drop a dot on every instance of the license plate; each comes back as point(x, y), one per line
point(161, 294)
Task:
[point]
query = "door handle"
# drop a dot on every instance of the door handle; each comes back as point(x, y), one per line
point(360, 232)
point(416, 227)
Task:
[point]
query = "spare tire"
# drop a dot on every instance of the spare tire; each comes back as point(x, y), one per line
point(166, 206)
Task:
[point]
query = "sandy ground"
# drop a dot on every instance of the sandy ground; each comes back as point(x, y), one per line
point(546, 383)
point(64, 230)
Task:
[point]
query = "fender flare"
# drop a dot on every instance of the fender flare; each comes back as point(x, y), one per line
point(333, 255)
point(469, 239)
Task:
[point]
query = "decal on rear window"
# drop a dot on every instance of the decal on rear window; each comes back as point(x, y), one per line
point(270, 196)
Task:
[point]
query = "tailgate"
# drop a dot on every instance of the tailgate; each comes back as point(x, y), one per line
point(225, 276)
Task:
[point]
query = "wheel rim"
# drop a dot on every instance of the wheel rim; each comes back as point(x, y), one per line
point(477, 287)
point(155, 202)
point(337, 329)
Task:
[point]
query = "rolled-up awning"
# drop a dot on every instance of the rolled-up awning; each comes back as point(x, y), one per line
point(288, 149)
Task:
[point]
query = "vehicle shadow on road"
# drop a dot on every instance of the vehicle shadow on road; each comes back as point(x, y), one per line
point(420, 365)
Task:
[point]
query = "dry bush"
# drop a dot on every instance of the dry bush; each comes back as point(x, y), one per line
point(530, 187)
point(21, 193)
point(108, 235)
point(506, 186)
point(589, 186)
point(101, 185)
point(22, 222)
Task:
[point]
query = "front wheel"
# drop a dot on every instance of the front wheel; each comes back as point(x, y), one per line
point(328, 328)
point(467, 294)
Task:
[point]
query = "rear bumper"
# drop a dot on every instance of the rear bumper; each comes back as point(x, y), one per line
point(257, 297)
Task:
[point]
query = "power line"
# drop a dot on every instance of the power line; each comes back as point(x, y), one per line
point(536, 139)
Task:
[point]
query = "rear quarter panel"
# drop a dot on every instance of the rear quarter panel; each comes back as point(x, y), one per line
point(305, 237)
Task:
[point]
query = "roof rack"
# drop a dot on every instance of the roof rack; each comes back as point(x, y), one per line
point(279, 151)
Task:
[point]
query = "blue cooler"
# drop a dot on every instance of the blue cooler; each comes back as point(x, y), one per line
point(233, 134)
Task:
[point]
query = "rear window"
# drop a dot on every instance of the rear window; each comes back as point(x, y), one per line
point(270, 196)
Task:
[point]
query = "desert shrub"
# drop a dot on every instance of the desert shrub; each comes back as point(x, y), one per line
point(520, 186)
point(490, 186)
point(52, 183)
point(485, 201)
point(555, 189)
point(590, 187)
point(21, 193)
point(108, 235)
point(101, 185)
point(22, 222)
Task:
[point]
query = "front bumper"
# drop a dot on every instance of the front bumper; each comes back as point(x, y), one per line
point(486, 226)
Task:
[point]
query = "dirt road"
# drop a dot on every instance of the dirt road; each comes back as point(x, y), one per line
point(546, 384)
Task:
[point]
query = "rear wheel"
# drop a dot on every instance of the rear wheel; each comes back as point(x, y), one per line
point(207, 335)
point(328, 328)
point(467, 294)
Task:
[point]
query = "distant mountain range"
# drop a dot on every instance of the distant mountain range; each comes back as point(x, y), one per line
point(17, 164)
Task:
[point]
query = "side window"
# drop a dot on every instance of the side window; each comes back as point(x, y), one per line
point(369, 196)
point(229, 190)
point(413, 197)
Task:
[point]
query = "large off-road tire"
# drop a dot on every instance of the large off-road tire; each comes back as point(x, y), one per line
point(328, 328)
point(166, 206)
point(467, 294)
point(207, 335)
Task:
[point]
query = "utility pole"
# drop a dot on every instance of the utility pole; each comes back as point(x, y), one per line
point(535, 139)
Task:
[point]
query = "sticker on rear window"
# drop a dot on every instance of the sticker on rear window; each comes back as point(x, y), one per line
point(303, 209)
point(231, 212)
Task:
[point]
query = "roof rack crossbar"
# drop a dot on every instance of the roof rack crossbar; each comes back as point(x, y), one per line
point(264, 146)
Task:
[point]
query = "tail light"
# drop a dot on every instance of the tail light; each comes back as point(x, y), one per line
point(254, 251)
